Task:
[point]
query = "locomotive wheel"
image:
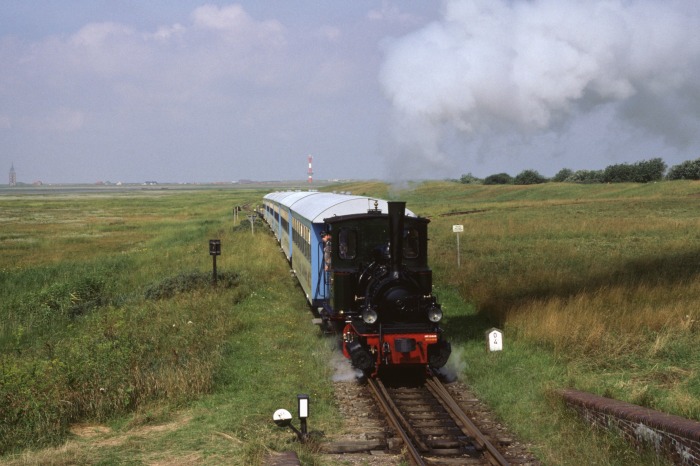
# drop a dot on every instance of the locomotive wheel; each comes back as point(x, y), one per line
point(439, 353)
point(360, 357)
point(363, 361)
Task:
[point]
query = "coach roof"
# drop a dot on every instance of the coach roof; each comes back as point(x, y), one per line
point(316, 206)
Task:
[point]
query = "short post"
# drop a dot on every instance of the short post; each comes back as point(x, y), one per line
point(252, 223)
point(458, 229)
point(494, 340)
point(214, 250)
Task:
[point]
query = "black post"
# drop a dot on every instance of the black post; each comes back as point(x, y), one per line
point(303, 428)
point(303, 405)
point(214, 250)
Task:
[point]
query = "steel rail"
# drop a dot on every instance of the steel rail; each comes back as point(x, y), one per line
point(384, 400)
point(441, 393)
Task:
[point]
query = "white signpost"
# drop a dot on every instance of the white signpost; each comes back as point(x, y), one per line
point(494, 339)
point(457, 229)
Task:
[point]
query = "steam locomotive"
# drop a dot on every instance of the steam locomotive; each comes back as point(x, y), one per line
point(363, 266)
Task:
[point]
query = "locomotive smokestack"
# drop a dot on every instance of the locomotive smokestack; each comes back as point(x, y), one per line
point(396, 214)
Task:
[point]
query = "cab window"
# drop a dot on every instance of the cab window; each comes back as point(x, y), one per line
point(411, 245)
point(347, 244)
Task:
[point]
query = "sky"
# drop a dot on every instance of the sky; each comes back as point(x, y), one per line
point(189, 91)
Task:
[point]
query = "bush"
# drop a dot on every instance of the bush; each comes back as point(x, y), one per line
point(688, 170)
point(190, 281)
point(647, 171)
point(469, 179)
point(640, 172)
point(621, 173)
point(529, 177)
point(563, 175)
point(586, 176)
point(499, 178)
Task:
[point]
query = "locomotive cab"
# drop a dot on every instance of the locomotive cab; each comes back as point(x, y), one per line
point(360, 254)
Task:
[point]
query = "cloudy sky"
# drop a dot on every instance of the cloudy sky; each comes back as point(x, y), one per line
point(189, 91)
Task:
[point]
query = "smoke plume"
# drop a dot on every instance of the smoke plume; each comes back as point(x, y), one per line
point(507, 76)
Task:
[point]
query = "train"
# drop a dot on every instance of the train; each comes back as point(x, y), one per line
point(362, 263)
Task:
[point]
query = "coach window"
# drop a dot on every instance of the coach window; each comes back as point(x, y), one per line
point(411, 246)
point(347, 244)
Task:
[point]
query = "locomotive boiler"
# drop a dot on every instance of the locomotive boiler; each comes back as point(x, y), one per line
point(363, 265)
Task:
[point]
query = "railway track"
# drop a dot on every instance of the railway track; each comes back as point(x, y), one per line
point(433, 426)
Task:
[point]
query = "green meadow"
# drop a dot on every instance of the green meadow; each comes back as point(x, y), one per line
point(115, 347)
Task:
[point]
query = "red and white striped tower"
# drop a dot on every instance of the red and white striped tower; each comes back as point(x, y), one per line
point(311, 172)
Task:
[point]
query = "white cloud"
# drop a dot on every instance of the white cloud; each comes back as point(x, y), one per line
point(165, 33)
point(99, 35)
point(391, 12)
point(235, 23)
point(331, 33)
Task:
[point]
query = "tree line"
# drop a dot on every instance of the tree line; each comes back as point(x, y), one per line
point(644, 171)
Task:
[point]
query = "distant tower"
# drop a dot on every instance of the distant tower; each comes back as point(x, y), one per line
point(311, 172)
point(13, 176)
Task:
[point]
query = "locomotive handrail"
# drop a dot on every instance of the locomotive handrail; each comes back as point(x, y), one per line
point(322, 278)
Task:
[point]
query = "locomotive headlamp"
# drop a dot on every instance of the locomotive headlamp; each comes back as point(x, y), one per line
point(369, 315)
point(435, 314)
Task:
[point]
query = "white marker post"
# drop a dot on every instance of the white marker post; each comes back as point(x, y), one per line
point(458, 229)
point(494, 340)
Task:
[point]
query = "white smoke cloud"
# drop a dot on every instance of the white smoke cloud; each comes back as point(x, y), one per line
point(493, 71)
point(343, 371)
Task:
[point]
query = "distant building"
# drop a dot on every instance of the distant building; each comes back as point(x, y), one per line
point(13, 176)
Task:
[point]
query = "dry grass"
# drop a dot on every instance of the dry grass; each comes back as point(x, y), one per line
point(86, 439)
point(611, 320)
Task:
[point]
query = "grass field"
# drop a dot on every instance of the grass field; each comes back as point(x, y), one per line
point(114, 345)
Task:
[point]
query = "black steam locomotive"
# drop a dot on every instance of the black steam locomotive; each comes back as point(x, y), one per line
point(363, 265)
